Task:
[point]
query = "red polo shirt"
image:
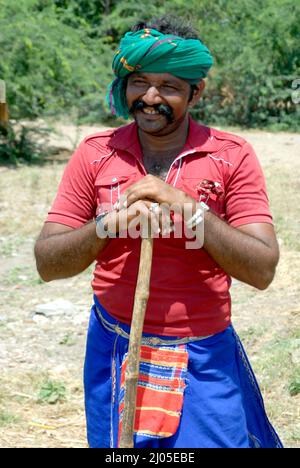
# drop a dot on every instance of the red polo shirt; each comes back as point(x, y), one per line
point(189, 292)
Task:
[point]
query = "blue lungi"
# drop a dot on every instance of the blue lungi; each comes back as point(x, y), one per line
point(222, 406)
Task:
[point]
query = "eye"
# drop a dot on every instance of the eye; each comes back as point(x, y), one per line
point(139, 82)
point(169, 87)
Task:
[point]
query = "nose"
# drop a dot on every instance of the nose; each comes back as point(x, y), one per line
point(152, 96)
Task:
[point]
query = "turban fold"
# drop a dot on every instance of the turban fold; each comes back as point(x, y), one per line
point(150, 51)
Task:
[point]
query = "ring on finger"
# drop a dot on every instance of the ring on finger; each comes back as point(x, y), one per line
point(154, 207)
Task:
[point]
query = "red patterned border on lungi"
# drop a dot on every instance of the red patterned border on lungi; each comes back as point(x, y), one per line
point(161, 383)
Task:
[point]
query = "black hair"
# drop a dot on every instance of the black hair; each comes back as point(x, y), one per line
point(169, 24)
point(192, 91)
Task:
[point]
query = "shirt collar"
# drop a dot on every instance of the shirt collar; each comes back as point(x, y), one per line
point(126, 139)
point(200, 139)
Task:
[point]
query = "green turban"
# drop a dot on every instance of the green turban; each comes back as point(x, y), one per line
point(150, 51)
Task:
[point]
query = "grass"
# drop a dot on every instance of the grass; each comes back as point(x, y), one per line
point(21, 275)
point(284, 194)
point(7, 419)
point(68, 340)
point(251, 335)
point(274, 359)
point(17, 187)
point(52, 392)
point(294, 385)
point(9, 246)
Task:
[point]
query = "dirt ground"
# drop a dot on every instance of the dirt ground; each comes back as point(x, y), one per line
point(42, 343)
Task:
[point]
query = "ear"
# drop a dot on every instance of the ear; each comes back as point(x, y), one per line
point(197, 93)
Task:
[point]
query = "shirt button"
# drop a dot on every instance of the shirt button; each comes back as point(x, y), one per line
point(114, 179)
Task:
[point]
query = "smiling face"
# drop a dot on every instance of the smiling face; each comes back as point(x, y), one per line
point(159, 101)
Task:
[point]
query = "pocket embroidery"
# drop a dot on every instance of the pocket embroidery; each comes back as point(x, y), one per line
point(161, 384)
point(209, 189)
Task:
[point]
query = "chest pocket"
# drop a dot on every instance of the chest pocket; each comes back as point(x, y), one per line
point(109, 188)
point(213, 198)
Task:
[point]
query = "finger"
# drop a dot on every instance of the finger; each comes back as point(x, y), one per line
point(142, 221)
point(165, 221)
point(160, 217)
point(155, 218)
point(122, 202)
point(143, 193)
point(139, 208)
point(149, 187)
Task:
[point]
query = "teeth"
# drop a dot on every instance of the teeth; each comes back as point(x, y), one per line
point(150, 111)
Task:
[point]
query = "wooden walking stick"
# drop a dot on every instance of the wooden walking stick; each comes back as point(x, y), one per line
point(133, 360)
point(3, 105)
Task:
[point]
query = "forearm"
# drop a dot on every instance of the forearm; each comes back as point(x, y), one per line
point(66, 254)
point(241, 256)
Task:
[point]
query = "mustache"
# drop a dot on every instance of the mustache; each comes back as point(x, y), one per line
point(162, 109)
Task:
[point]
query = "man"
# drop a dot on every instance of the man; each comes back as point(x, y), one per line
point(196, 387)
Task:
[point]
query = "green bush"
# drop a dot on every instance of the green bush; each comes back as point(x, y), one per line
point(49, 67)
point(256, 47)
point(22, 144)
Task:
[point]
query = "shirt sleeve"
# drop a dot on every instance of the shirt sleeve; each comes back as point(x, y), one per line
point(246, 195)
point(74, 204)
